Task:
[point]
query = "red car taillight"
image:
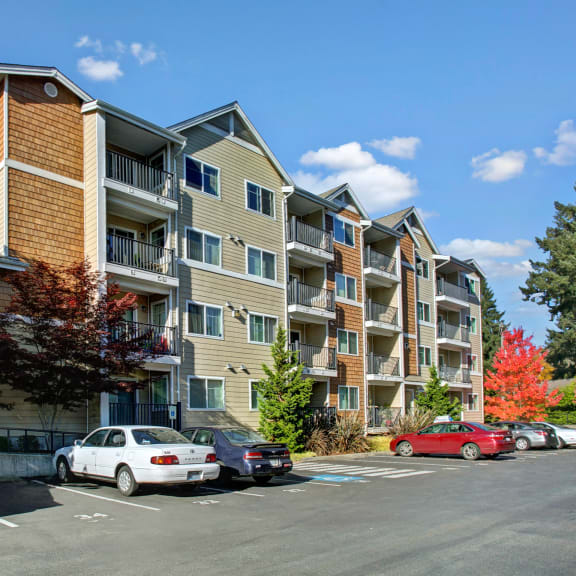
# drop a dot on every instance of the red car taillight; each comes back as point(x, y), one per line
point(210, 458)
point(285, 454)
point(253, 456)
point(540, 432)
point(166, 460)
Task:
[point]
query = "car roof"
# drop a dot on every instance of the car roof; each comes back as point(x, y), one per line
point(216, 427)
point(132, 427)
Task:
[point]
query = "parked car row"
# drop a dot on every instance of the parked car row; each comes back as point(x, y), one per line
point(130, 456)
point(472, 440)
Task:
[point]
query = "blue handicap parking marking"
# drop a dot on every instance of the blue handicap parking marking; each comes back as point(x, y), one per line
point(334, 478)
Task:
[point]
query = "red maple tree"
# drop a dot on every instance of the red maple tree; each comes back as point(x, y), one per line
point(514, 389)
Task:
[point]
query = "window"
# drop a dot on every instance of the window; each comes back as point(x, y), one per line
point(262, 263)
point(347, 342)
point(253, 395)
point(345, 287)
point(343, 232)
point(434, 429)
point(471, 323)
point(259, 199)
point(262, 329)
point(348, 398)
point(472, 402)
point(95, 439)
point(424, 356)
point(203, 247)
point(470, 284)
point(422, 268)
point(202, 177)
point(472, 360)
point(205, 393)
point(423, 312)
point(205, 320)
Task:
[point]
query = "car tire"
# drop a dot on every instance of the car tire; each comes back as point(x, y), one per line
point(561, 444)
point(125, 482)
point(261, 480)
point(470, 451)
point(225, 476)
point(63, 471)
point(522, 443)
point(405, 449)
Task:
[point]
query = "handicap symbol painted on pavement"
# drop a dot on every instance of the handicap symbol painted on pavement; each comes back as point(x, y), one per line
point(334, 478)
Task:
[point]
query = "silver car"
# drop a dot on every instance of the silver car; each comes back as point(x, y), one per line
point(566, 436)
point(527, 437)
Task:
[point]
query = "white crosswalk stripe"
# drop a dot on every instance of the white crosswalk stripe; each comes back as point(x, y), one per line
point(355, 470)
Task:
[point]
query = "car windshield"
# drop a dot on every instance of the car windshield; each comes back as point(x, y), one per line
point(486, 427)
point(145, 436)
point(239, 436)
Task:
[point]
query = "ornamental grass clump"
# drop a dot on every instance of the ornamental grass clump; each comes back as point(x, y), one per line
point(347, 435)
point(412, 421)
point(318, 442)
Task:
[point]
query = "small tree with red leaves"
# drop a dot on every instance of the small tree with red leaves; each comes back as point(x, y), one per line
point(63, 338)
point(515, 390)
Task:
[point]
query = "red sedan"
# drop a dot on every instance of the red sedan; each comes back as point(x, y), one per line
point(469, 439)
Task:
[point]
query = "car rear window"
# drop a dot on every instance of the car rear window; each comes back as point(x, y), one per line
point(146, 436)
point(239, 436)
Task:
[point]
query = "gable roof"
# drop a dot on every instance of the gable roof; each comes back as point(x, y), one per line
point(393, 219)
point(396, 219)
point(237, 109)
point(333, 194)
point(46, 72)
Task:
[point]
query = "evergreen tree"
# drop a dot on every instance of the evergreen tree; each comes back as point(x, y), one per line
point(436, 397)
point(492, 326)
point(552, 283)
point(282, 395)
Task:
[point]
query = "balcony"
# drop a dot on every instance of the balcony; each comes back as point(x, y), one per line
point(317, 361)
point(153, 189)
point(382, 418)
point(380, 269)
point(453, 337)
point(381, 320)
point(140, 260)
point(124, 414)
point(451, 296)
point(153, 338)
point(310, 304)
point(459, 377)
point(308, 245)
point(383, 369)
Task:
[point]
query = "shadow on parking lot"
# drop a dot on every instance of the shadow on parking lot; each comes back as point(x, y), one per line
point(21, 497)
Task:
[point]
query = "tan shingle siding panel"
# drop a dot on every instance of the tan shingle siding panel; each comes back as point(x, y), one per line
point(91, 186)
point(2, 206)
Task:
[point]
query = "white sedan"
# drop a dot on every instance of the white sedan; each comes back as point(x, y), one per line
point(134, 455)
point(566, 436)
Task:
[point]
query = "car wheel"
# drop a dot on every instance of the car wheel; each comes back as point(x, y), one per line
point(522, 443)
point(63, 470)
point(470, 451)
point(405, 449)
point(225, 476)
point(261, 480)
point(561, 444)
point(125, 482)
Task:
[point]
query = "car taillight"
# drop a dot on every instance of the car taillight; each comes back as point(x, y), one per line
point(285, 454)
point(540, 432)
point(166, 460)
point(210, 458)
point(253, 456)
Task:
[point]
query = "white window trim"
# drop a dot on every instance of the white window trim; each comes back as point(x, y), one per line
point(248, 327)
point(348, 342)
point(418, 257)
point(425, 322)
point(190, 189)
point(187, 323)
point(204, 233)
point(346, 221)
point(468, 357)
point(248, 246)
point(246, 182)
point(342, 298)
point(358, 396)
point(205, 378)
point(152, 230)
point(431, 359)
point(468, 402)
point(250, 382)
point(468, 323)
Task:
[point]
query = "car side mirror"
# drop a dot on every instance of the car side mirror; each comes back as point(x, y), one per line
point(77, 442)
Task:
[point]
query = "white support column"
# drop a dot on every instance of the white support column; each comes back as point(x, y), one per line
point(104, 409)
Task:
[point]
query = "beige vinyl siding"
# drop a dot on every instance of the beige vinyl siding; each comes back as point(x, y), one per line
point(91, 188)
point(2, 215)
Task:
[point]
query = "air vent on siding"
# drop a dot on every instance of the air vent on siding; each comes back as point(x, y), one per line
point(51, 89)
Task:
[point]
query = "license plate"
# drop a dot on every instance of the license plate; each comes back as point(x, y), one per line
point(194, 476)
point(274, 462)
point(508, 438)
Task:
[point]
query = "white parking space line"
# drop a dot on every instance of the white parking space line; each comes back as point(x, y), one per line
point(382, 472)
point(326, 467)
point(414, 462)
point(8, 524)
point(97, 496)
point(311, 482)
point(232, 492)
point(412, 473)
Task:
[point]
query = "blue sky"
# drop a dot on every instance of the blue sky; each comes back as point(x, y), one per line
point(463, 109)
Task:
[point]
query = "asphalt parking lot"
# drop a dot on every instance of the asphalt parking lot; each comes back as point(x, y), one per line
point(362, 514)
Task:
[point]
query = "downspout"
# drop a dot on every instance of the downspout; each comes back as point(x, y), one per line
point(364, 363)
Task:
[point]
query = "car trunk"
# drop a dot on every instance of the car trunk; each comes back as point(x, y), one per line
point(186, 453)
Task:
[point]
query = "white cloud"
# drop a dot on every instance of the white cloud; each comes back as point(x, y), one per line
point(397, 146)
point(143, 55)
point(342, 157)
point(564, 153)
point(86, 42)
point(100, 70)
point(119, 47)
point(476, 248)
point(500, 269)
point(495, 166)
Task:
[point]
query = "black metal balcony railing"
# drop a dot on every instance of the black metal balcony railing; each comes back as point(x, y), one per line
point(383, 262)
point(453, 332)
point(445, 288)
point(379, 417)
point(453, 374)
point(383, 365)
point(140, 175)
point(122, 413)
point(309, 235)
point(152, 338)
point(140, 255)
point(310, 296)
point(323, 417)
point(315, 356)
point(381, 313)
